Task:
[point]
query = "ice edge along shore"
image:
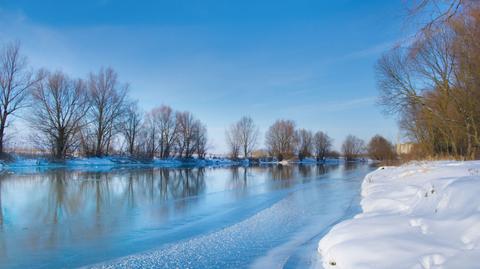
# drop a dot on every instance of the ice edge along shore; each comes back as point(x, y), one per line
point(419, 215)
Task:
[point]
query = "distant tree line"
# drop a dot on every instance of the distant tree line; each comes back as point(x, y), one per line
point(284, 141)
point(433, 83)
point(88, 116)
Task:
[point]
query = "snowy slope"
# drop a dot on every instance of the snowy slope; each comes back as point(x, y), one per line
point(420, 215)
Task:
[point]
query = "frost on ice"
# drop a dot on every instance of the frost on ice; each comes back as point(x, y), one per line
point(420, 215)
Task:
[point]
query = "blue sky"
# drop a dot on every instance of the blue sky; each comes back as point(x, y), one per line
point(309, 61)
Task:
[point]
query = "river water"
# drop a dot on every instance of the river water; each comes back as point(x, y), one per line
point(235, 217)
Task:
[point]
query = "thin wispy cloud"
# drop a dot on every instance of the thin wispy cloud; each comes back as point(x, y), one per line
point(373, 50)
point(331, 106)
point(343, 105)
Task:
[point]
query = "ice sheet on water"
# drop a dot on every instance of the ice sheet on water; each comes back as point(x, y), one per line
point(285, 225)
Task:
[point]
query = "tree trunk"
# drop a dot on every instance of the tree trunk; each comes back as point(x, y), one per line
point(3, 121)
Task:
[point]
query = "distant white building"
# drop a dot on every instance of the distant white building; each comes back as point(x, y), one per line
point(403, 148)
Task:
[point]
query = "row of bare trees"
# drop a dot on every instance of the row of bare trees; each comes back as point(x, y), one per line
point(283, 140)
point(166, 133)
point(90, 116)
point(433, 83)
point(378, 148)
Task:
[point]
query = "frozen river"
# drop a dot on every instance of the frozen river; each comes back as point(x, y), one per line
point(255, 217)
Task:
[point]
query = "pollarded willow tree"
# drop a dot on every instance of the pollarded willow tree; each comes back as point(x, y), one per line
point(322, 145)
point(352, 148)
point(191, 136)
point(59, 107)
point(166, 133)
point(186, 140)
point(130, 127)
point(233, 141)
point(242, 137)
point(164, 118)
point(248, 135)
point(281, 139)
point(305, 143)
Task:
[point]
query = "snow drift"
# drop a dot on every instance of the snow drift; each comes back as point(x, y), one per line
point(420, 215)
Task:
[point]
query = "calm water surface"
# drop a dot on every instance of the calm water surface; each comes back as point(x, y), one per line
point(236, 217)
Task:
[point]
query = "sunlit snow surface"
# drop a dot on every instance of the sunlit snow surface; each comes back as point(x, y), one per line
point(260, 217)
point(421, 215)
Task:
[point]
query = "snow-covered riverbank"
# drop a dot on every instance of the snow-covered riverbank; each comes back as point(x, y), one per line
point(112, 161)
point(420, 215)
point(18, 162)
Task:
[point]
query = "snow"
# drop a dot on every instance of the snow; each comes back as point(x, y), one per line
point(420, 215)
point(89, 161)
point(303, 161)
point(116, 161)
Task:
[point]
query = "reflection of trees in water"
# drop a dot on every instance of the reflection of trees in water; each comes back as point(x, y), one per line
point(281, 175)
point(350, 166)
point(89, 204)
point(95, 194)
point(1, 207)
point(94, 184)
point(321, 169)
point(239, 179)
point(78, 205)
point(305, 171)
point(284, 176)
point(187, 182)
point(56, 197)
point(3, 250)
point(129, 190)
point(281, 172)
point(145, 186)
point(67, 193)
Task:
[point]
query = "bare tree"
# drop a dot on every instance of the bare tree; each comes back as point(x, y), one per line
point(107, 97)
point(396, 82)
point(281, 139)
point(16, 82)
point(186, 136)
point(322, 144)
point(164, 119)
point(248, 135)
point(379, 148)
point(432, 84)
point(58, 109)
point(352, 147)
point(201, 139)
point(305, 143)
point(242, 136)
point(233, 141)
point(165, 133)
point(130, 126)
point(436, 12)
point(148, 136)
